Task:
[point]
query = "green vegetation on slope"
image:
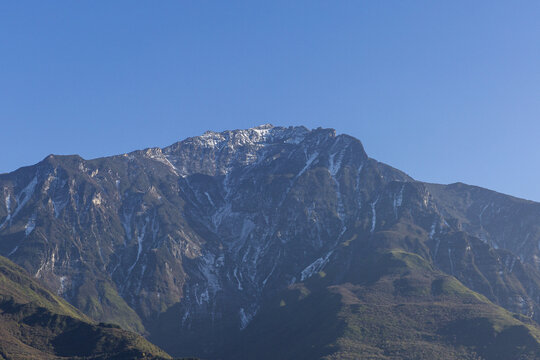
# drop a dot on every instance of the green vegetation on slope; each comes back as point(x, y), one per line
point(409, 311)
point(99, 300)
point(36, 324)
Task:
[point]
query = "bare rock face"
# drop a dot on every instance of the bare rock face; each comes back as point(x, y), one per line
point(187, 243)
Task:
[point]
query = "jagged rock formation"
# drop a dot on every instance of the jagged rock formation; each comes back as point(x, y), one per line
point(189, 242)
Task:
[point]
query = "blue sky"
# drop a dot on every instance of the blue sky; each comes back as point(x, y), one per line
point(445, 90)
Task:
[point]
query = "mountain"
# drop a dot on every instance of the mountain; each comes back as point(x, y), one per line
point(193, 245)
point(393, 305)
point(36, 324)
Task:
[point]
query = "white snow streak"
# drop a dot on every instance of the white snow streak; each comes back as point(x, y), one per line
point(432, 231)
point(140, 238)
point(244, 319)
point(30, 225)
point(209, 199)
point(315, 266)
point(62, 285)
point(398, 200)
point(374, 216)
point(126, 224)
point(13, 251)
point(8, 207)
point(58, 206)
point(27, 192)
point(308, 164)
point(22, 199)
point(8, 203)
point(239, 284)
point(335, 165)
point(208, 269)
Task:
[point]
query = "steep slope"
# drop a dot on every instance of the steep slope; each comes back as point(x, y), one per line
point(395, 306)
point(380, 296)
point(36, 324)
point(189, 242)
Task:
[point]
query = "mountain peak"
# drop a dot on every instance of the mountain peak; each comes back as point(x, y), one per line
point(263, 127)
point(232, 139)
point(266, 133)
point(218, 152)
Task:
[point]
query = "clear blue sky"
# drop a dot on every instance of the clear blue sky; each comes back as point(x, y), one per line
point(444, 90)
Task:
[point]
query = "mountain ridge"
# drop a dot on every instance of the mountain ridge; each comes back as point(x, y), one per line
point(195, 237)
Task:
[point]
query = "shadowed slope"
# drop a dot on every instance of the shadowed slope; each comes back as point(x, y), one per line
point(407, 310)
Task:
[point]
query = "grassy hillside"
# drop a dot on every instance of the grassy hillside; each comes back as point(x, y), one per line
point(406, 310)
point(36, 324)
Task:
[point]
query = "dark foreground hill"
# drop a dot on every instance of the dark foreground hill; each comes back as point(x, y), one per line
point(36, 324)
point(194, 243)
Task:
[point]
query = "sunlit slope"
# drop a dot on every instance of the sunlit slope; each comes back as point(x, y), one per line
point(36, 324)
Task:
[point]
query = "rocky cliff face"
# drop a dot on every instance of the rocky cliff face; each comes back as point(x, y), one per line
point(187, 243)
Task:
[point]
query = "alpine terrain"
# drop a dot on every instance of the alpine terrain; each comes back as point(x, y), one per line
point(276, 243)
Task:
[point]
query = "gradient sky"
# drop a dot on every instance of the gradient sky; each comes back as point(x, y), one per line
point(444, 90)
